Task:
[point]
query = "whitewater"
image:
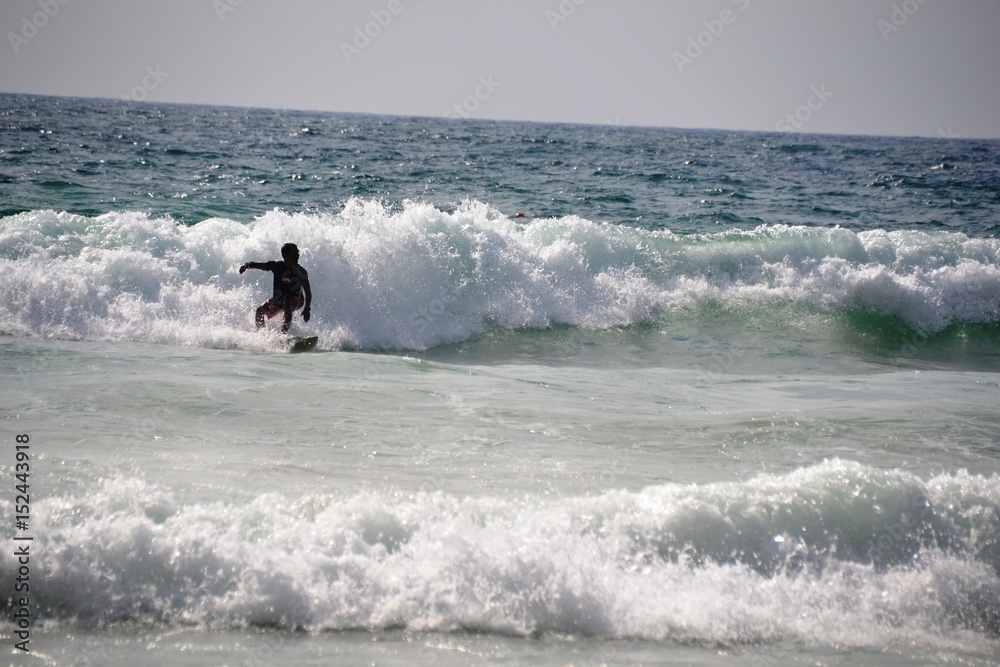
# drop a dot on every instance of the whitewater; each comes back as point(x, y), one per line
point(421, 277)
point(583, 395)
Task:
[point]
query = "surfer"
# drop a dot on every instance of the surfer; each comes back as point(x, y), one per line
point(290, 282)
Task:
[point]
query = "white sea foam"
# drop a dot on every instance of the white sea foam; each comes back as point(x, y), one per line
point(417, 277)
point(838, 553)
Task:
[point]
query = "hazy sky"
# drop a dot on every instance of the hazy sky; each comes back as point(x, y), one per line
point(899, 67)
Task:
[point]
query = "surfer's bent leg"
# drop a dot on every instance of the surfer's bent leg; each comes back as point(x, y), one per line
point(289, 304)
point(265, 309)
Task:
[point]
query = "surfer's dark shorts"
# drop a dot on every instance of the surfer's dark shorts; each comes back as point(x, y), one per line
point(277, 303)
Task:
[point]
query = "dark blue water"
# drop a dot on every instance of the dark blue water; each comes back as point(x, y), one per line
point(192, 163)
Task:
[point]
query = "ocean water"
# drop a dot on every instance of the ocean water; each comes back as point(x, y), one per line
point(583, 395)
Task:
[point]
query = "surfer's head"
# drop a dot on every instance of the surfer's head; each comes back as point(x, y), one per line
point(290, 253)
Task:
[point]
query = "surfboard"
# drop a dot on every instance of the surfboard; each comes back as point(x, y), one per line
point(302, 343)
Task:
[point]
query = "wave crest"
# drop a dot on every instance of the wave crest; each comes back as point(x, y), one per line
point(837, 553)
point(417, 277)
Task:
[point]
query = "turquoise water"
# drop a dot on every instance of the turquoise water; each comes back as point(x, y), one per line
point(715, 398)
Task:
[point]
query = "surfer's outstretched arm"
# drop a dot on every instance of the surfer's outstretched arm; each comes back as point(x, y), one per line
point(253, 265)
